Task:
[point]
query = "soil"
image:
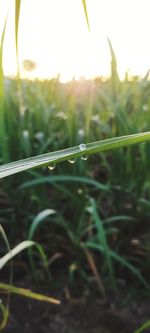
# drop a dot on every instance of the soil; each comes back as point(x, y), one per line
point(88, 314)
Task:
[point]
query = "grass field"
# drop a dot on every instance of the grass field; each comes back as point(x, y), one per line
point(90, 215)
point(85, 212)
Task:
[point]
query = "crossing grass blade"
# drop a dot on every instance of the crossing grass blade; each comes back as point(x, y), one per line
point(73, 152)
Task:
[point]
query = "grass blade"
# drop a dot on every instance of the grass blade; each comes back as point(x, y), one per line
point(5, 315)
point(74, 152)
point(64, 178)
point(17, 14)
point(3, 133)
point(103, 241)
point(114, 72)
point(27, 293)
point(95, 271)
point(86, 13)
point(36, 221)
point(17, 249)
point(122, 261)
point(39, 219)
point(1, 60)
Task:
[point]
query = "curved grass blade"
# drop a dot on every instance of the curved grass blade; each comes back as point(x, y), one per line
point(73, 152)
point(64, 178)
point(39, 219)
point(5, 315)
point(17, 249)
point(34, 226)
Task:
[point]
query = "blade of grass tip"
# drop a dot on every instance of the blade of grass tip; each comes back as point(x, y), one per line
point(35, 224)
point(114, 72)
point(86, 13)
point(17, 249)
point(17, 15)
point(3, 134)
point(28, 293)
point(73, 152)
point(39, 219)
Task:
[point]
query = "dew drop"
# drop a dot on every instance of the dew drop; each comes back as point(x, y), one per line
point(51, 166)
point(84, 157)
point(82, 146)
point(72, 161)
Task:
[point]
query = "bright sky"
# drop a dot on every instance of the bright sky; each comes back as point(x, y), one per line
point(54, 34)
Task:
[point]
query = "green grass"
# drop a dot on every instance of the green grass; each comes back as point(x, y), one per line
point(71, 154)
point(45, 126)
point(83, 215)
point(56, 116)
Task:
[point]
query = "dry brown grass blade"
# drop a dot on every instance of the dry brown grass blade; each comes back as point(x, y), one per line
point(95, 272)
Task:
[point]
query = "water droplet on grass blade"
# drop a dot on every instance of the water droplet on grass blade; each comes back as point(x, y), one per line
point(82, 146)
point(84, 157)
point(51, 166)
point(72, 161)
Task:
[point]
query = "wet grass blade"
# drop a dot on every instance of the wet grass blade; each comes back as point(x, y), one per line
point(74, 152)
point(27, 293)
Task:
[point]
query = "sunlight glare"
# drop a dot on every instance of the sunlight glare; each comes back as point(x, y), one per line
point(54, 35)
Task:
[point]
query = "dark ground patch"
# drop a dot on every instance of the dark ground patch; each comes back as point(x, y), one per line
point(87, 314)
